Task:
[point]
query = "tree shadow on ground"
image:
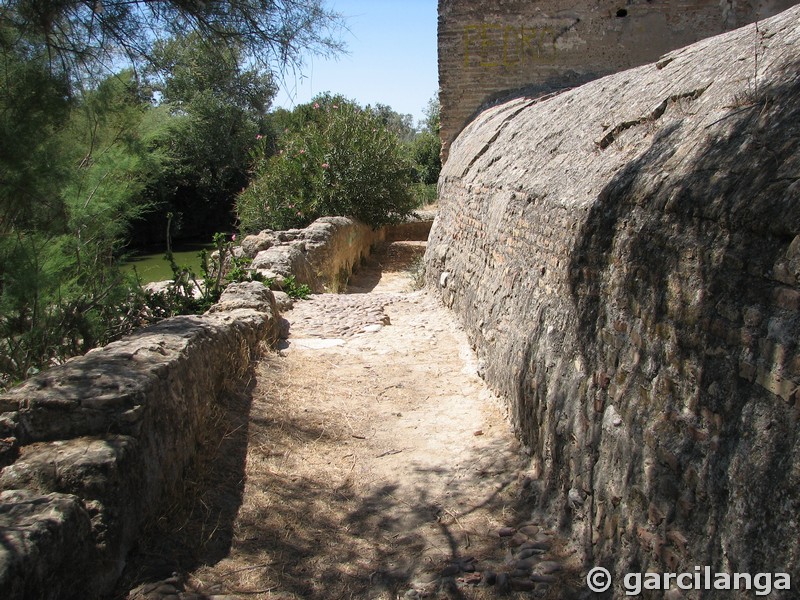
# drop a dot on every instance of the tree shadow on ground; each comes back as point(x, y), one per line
point(314, 536)
point(304, 532)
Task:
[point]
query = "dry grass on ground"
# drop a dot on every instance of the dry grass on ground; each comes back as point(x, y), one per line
point(359, 471)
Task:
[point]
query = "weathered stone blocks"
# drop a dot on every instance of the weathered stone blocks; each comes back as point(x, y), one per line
point(101, 440)
point(623, 258)
point(321, 256)
point(46, 545)
point(324, 254)
point(90, 448)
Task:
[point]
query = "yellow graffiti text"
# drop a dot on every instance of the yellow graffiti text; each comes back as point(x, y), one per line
point(493, 45)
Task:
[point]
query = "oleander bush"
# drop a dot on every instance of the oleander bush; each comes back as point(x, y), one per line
point(339, 159)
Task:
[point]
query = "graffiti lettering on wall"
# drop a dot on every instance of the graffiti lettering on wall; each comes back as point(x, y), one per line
point(495, 45)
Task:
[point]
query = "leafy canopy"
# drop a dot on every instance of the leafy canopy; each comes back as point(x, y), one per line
point(339, 159)
point(85, 152)
point(85, 35)
point(211, 107)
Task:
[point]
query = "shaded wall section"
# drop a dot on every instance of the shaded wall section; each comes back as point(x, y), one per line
point(491, 50)
point(625, 257)
point(100, 444)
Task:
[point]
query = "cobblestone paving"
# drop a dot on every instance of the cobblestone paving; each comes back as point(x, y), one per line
point(340, 315)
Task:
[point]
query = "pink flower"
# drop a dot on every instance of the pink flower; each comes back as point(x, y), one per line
point(233, 237)
point(335, 106)
point(259, 136)
point(302, 151)
point(299, 214)
point(316, 104)
point(325, 165)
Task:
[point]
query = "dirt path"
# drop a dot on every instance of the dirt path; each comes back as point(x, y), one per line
point(365, 460)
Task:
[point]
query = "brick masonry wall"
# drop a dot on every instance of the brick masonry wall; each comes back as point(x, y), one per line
point(625, 258)
point(488, 50)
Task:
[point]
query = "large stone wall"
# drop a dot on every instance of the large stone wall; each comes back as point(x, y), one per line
point(95, 446)
point(487, 49)
point(626, 259)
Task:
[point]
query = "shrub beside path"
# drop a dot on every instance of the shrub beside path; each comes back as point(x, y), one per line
point(366, 459)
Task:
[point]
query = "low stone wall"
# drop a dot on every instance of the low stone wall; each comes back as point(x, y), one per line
point(322, 255)
point(416, 228)
point(625, 258)
point(89, 449)
point(92, 447)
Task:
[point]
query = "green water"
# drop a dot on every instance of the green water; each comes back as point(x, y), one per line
point(153, 267)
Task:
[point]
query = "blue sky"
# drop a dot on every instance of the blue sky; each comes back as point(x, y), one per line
point(391, 59)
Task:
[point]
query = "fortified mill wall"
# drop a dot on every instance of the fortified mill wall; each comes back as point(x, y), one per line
point(625, 257)
point(489, 51)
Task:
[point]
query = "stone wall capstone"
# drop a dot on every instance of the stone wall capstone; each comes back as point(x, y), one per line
point(625, 257)
point(89, 449)
point(488, 50)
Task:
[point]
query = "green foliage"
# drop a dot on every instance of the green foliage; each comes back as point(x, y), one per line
point(211, 109)
point(425, 194)
point(298, 291)
point(184, 67)
point(34, 103)
point(400, 124)
point(239, 270)
point(52, 308)
point(111, 167)
point(340, 160)
point(61, 292)
point(85, 154)
point(86, 36)
point(426, 151)
point(432, 116)
point(189, 294)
